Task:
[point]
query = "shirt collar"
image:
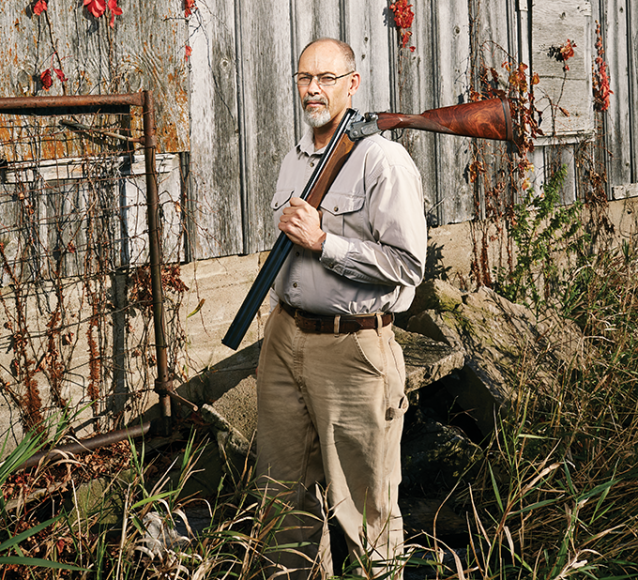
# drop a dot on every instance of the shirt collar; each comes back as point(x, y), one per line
point(307, 144)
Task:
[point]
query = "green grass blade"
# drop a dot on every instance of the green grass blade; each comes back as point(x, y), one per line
point(38, 563)
point(495, 487)
point(152, 498)
point(11, 542)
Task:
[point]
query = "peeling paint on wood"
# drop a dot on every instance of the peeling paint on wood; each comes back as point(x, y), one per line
point(145, 50)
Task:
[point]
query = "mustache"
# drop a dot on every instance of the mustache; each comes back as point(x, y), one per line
point(316, 99)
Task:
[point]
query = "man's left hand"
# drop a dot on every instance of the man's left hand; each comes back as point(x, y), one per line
point(302, 224)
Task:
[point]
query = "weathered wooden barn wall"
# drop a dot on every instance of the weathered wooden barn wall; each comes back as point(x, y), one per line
point(227, 113)
point(230, 109)
point(143, 50)
point(619, 22)
point(450, 39)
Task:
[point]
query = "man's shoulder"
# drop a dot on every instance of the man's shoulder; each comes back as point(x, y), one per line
point(377, 149)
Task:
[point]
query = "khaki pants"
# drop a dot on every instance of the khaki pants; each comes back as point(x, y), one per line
point(330, 413)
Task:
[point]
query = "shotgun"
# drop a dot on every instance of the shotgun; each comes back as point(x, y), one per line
point(489, 119)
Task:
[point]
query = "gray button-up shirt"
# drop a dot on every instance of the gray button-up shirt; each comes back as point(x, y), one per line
point(374, 253)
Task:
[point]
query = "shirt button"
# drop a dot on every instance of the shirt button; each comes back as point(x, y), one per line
point(294, 284)
point(336, 208)
point(312, 164)
point(298, 254)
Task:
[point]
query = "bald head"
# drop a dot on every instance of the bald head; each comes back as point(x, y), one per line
point(344, 49)
point(326, 81)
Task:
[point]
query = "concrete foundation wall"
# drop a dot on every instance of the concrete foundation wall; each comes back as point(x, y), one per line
point(223, 283)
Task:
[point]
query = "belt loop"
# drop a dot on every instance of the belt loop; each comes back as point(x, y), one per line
point(337, 321)
point(379, 323)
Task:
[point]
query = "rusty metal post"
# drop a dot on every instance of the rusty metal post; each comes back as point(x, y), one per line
point(162, 383)
point(84, 445)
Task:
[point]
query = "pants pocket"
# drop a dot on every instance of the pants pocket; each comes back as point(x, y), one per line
point(392, 413)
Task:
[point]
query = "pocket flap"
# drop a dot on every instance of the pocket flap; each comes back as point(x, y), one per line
point(281, 198)
point(339, 203)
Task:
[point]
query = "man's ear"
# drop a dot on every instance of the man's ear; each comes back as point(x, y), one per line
point(355, 81)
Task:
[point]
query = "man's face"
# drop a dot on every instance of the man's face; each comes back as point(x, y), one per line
point(325, 104)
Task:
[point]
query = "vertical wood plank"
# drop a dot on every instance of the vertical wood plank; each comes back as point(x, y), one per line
point(149, 41)
point(366, 30)
point(215, 174)
point(267, 111)
point(559, 89)
point(452, 51)
point(416, 75)
point(495, 40)
point(632, 66)
point(618, 123)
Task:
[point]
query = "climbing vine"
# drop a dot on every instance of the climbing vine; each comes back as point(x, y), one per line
point(97, 9)
point(600, 77)
point(403, 18)
point(562, 53)
point(533, 228)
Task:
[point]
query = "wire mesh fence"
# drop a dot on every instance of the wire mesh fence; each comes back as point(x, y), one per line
point(76, 301)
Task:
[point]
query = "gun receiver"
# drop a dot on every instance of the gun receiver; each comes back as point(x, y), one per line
point(489, 119)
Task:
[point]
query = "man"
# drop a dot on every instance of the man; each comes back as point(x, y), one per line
point(331, 393)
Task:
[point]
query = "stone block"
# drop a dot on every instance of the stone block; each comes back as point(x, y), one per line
point(426, 360)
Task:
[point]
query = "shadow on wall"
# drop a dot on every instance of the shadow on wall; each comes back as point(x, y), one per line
point(216, 381)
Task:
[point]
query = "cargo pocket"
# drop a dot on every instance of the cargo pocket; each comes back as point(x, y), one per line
point(397, 401)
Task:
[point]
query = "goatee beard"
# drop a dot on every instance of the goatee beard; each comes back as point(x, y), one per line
point(316, 118)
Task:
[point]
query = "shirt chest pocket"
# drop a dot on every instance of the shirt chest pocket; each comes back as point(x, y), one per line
point(343, 213)
point(279, 202)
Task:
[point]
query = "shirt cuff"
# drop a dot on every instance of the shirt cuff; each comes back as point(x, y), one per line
point(334, 252)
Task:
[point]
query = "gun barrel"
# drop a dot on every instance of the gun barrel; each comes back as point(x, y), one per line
point(334, 157)
point(488, 119)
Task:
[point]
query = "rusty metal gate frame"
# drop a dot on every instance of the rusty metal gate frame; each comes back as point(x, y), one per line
point(84, 104)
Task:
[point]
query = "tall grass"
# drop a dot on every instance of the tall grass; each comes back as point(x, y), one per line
point(558, 495)
point(84, 541)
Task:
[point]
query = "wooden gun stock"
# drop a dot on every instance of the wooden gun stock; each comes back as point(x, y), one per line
point(489, 119)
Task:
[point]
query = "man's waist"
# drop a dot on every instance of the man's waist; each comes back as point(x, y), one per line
point(337, 324)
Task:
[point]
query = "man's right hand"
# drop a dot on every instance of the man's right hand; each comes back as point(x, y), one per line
point(302, 224)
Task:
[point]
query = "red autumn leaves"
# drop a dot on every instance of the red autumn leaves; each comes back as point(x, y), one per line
point(39, 7)
point(189, 6)
point(98, 7)
point(47, 79)
point(403, 17)
point(563, 52)
point(600, 77)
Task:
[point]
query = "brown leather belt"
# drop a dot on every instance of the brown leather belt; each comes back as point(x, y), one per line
point(320, 324)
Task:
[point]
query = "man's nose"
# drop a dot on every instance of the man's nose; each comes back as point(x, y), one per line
point(314, 86)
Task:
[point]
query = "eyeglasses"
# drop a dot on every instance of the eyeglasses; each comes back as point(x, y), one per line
point(323, 80)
